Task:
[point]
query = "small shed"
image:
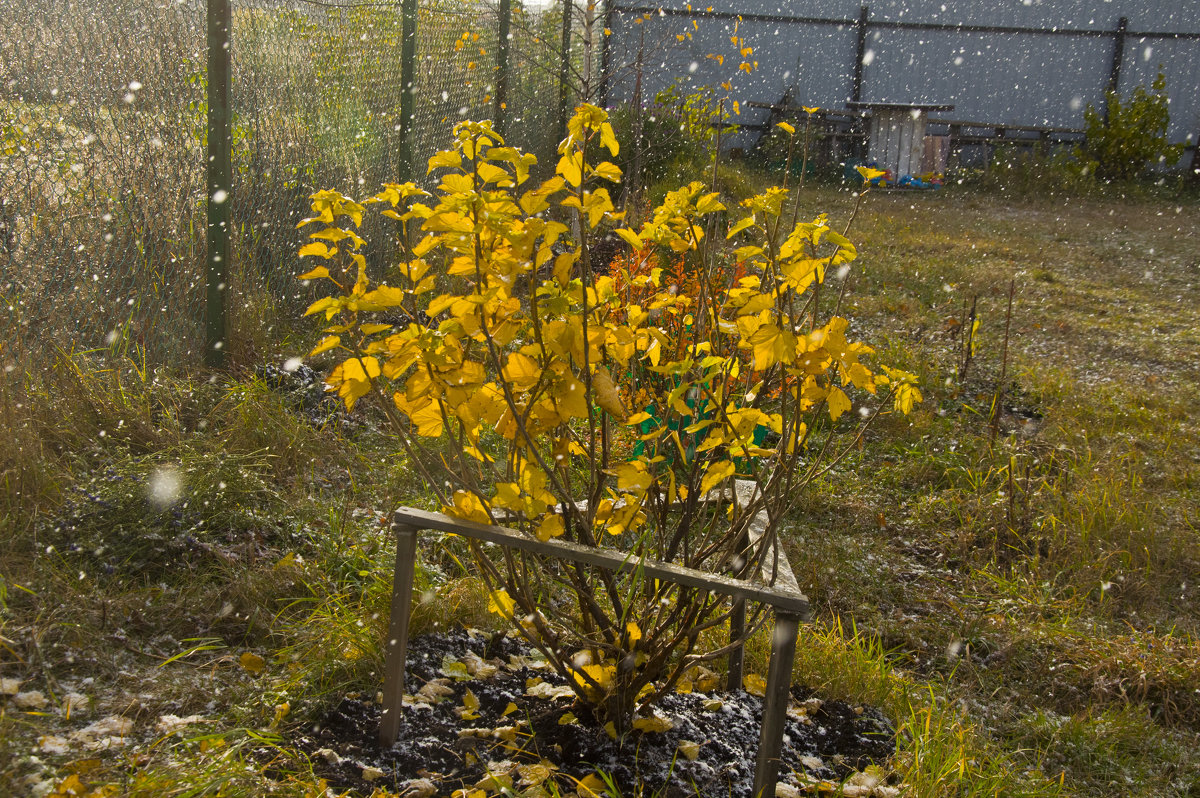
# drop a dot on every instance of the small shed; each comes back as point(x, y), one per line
point(896, 135)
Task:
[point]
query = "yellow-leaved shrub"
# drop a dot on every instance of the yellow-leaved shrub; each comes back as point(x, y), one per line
point(599, 403)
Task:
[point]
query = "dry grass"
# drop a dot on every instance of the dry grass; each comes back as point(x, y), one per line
point(1025, 607)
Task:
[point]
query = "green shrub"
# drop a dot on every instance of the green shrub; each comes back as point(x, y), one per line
point(1133, 136)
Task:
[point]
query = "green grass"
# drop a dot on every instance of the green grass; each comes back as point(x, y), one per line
point(1024, 606)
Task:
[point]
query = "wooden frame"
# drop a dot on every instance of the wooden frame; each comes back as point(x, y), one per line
point(789, 605)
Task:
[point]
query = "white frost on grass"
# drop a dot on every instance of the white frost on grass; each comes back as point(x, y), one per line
point(169, 724)
point(104, 734)
point(30, 700)
point(164, 487)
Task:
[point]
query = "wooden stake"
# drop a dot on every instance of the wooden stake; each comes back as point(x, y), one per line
point(779, 683)
point(396, 646)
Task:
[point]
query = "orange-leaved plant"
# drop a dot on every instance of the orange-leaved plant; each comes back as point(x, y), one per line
point(609, 410)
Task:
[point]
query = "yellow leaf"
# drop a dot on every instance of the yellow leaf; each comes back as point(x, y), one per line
point(785, 127)
point(500, 603)
point(318, 249)
point(869, 174)
point(811, 109)
point(446, 158)
point(608, 171)
point(327, 343)
point(315, 274)
point(630, 237)
point(570, 166)
point(607, 395)
point(635, 634)
point(471, 508)
point(755, 684)
point(741, 225)
point(470, 706)
point(592, 786)
point(424, 412)
point(689, 749)
point(533, 774)
point(654, 723)
point(716, 474)
point(772, 345)
point(906, 396)
point(521, 371)
point(551, 527)
point(633, 476)
point(352, 379)
point(837, 402)
point(709, 203)
point(252, 663)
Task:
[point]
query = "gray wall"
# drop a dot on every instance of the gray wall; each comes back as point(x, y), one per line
point(1010, 73)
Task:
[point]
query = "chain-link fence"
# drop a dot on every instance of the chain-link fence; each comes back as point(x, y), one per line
point(103, 138)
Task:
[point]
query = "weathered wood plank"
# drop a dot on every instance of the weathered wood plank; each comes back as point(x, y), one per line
point(396, 646)
point(791, 601)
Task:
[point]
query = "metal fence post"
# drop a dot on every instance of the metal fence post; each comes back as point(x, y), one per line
point(564, 71)
point(220, 183)
point(408, 86)
point(503, 47)
point(1114, 74)
point(859, 52)
point(396, 646)
point(605, 56)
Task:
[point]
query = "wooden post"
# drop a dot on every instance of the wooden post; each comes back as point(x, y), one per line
point(396, 646)
point(1043, 145)
point(737, 623)
point(779, 682)
point(737, 628)
point(954, 156)
point(220, 182)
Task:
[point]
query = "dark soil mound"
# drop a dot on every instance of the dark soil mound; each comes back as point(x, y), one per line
point(468, 726)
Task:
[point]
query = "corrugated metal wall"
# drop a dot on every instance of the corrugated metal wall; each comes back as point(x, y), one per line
point(1016, 62)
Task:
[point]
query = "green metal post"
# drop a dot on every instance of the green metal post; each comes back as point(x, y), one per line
point(503, 46)
point(564, 71)
point(605, 56)
point(408, 82)
point(220, 182)
point(1114, 74)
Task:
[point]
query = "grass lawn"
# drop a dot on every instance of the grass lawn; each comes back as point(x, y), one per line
point(193, 569)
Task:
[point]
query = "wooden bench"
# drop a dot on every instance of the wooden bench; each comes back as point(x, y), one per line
point(775, 586)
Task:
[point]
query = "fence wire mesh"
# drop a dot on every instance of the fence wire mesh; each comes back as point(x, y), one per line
point(103, 109)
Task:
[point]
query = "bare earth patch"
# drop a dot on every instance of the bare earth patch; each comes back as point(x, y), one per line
point(517, 723)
